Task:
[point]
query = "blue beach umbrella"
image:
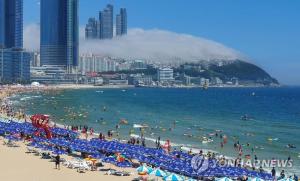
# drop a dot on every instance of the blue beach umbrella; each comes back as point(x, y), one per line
point(109, 160)
point(256, 179)
point(224, 179)
point(33, 144)
point(286, 179)
point(12, 138)
point(143, 168)
point(59, 152)
point(173, 177)
point(158, 172)
point(190, 179)
point(124, 164)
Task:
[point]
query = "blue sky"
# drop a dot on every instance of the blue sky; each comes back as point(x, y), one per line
point(267, 31)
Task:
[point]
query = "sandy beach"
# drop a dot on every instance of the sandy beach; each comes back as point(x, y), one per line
point(17, 165)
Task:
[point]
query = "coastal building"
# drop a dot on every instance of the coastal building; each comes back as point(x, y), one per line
point(216, 81)
point(2, 23)
point(11, 21)
point(187, 80)
point(138, 65)
point(14, 61)
point(59, 33)
point(93, 63)
point(14, 66)
point(235, 81)
point(51, 74)
point(106, 22)
point(92, 29)
point(140, 80)
point(125, 65)
point(165, 75)
point(35, 60)
point(121, 22)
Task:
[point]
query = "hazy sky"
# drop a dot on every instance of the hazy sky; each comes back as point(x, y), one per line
point(266, 31)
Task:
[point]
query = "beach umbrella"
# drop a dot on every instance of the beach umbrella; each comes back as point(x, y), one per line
point(12, 138)
point(286, 179)
point(224, 179)
point(144, 169)
point(190, 179)
point(109, 160)
point(173, 177)
point(124, 164)
point(256, 179)
point(158, 172)
point(59, 152)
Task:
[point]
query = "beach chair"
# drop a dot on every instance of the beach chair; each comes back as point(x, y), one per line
point(111, 172)
point(83, 166)
point(30, 150)
point(80, 170)
point(73, 164)
point(5, 142)
point(12, 144)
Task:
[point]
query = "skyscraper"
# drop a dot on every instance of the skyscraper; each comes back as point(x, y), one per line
point(121, 22)
point(59, 33)
point(11, 21)
point(91, 29)
point(14, 62)
point(107, 22)
point(2, 23)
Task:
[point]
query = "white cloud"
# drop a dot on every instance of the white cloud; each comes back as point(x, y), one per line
point(155, 44)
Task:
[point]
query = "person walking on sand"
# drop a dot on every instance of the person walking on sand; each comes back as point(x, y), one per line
point(273, 172)
point(57, 162)
point(295, 177)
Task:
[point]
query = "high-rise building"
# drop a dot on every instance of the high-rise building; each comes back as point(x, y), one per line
point(59, 33)
point(92, 29)
point(121, 22)
point(11, 21)
point(14, 61)
point(14, 66)
point(106, 22)
point(2, 23)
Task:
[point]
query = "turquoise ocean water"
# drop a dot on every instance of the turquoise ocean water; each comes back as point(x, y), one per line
point(274, 114)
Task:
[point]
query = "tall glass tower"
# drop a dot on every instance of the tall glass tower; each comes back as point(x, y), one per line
point(14, 61)
point(59, 33)
point(121, 22)
point(2, 23)
point(11, 24)
point(107, 22)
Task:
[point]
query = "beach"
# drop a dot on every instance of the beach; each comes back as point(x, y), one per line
point(32, 98)
point(32, 168)
point(17, 165)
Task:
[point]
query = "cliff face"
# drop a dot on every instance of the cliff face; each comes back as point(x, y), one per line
point(245, 72)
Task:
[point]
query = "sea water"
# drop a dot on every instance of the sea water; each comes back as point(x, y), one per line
point(185, 116)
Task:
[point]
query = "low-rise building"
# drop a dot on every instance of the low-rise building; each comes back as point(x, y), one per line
point(165, 75)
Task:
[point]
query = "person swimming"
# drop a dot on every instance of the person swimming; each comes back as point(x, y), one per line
point(290, 146)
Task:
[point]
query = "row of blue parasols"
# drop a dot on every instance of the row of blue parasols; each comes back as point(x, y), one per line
point(156, 157)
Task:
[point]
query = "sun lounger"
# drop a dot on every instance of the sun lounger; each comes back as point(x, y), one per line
point(30, 150)
point(12, 144)
point(78, 164)
point(110, 172)
point(83, 166)
point(118, 173)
